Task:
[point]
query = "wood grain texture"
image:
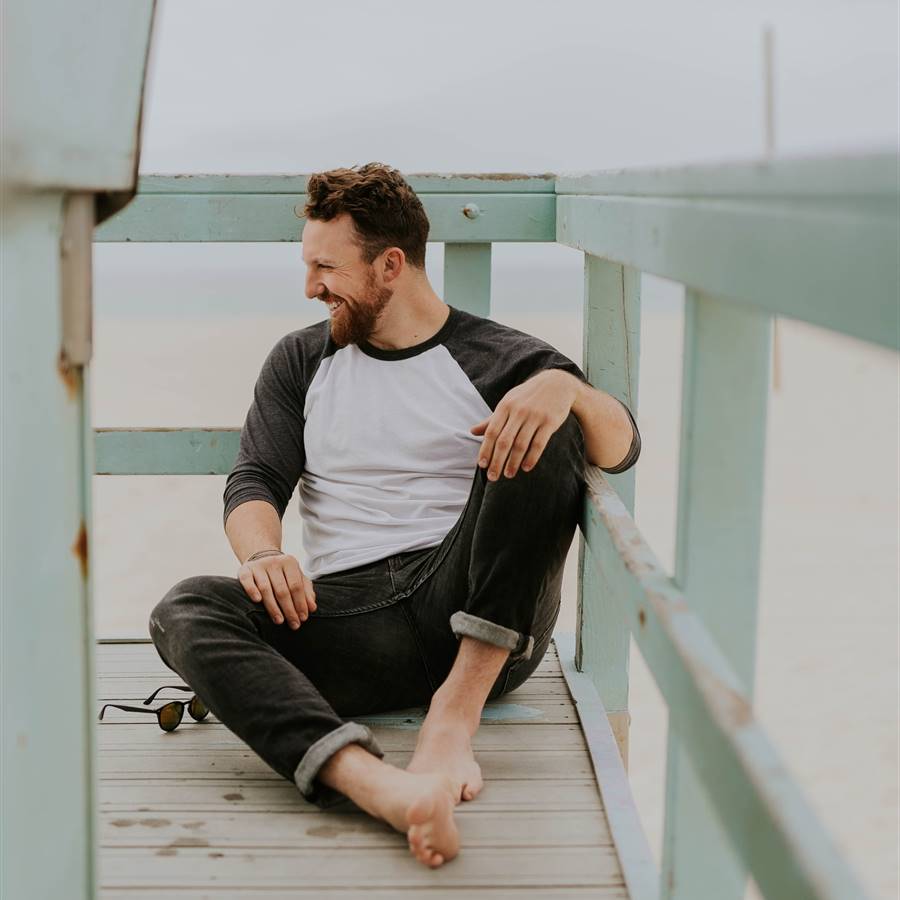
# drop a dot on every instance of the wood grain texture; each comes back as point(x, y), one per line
point(723, 439)
point(833, 267)
point(196, 809)
point(424, 183)
point(612, 316)
point(243, 217)
point(768, 819)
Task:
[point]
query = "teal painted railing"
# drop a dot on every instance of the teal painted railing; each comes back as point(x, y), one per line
point(814, 240)
point(70, 137)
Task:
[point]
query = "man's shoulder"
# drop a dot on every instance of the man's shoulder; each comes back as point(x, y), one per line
point(470, 324)
point(480, 334)
point(298, 353)
point(313, 338)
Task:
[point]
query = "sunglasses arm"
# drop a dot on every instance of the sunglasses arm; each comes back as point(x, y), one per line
point(127, 708)
point(175, 687)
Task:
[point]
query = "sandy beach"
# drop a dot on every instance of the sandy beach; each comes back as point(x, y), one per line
point(827, 671)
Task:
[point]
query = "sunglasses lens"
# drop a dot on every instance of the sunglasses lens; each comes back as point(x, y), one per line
point(197, 708)
point(170, 715)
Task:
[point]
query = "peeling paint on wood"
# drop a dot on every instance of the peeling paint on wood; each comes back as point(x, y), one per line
point(70, 375)
point(80, 549)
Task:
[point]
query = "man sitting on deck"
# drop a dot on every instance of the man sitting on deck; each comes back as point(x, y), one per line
point(440, 457)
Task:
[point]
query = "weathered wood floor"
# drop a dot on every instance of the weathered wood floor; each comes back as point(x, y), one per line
point(195, 813)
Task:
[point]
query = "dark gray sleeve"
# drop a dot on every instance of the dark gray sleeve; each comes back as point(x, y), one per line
point(271, 455)
point(633, 452)
point(553, 359)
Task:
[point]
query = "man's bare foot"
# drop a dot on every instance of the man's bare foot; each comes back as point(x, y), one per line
point(422, 806)
point(446, 748)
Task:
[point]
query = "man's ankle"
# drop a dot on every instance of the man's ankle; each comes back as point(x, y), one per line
point(449, 714)
point(358, 774)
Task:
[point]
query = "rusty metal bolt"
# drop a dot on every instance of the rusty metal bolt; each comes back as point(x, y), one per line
point(471, 211)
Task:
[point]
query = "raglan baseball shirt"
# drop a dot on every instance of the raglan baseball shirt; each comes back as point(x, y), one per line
point(380, 440)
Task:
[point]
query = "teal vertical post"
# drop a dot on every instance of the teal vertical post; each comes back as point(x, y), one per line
point(612, 316)
point(68, 156)
point(723, 437)
point(467, 277)
point(48, 710)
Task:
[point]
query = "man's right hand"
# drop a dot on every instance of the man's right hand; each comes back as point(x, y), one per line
point(279, 584)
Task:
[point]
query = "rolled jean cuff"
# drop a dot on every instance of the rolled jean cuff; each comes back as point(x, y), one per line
point(520, 645)
point(321, 751)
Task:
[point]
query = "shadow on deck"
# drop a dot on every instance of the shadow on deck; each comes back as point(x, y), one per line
point(195, 813)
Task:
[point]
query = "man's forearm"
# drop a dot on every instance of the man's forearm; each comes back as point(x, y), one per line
point(607, 429)
point(254, 525)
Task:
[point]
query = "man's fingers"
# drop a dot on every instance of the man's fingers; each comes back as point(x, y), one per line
point(301, 588)
point(539, 441)
point(261, 577)
point(282, 588)
point(495, 426)
point(284, 598)
point(502, 448)
point(298, 593)
point(245, 577)
point(520, 445)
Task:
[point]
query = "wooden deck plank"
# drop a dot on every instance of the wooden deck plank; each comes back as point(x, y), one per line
point(289, 829)
point(196, 813)
point(426, 893)
point(212, 795)
point(362, 867)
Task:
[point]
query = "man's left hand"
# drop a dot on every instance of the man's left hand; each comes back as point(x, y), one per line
point(516, 433)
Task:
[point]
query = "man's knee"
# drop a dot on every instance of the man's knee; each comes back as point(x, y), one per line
point(563, 456)
point(567, 440)
point(179, 607)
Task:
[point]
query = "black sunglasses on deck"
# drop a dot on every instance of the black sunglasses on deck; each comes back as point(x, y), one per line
point(170, 714)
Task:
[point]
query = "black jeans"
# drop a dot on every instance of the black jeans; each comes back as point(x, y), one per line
point(384, 635)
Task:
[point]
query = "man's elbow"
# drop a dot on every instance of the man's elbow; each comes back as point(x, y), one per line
point(236, 495)
point(630, 458)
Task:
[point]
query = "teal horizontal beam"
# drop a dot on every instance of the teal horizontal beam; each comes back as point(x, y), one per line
point(165, 451)
point(834, 267)
point(458, 218)
point(427, 183)
point(837, 179)
point(768, 820)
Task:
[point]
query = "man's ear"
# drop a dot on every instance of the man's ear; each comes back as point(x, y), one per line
point(394, 263)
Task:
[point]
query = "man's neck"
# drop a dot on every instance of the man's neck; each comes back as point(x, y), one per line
point(411, 320)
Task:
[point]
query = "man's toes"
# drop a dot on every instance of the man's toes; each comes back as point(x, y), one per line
point(424, 854)
point(472, 789)
point(418, 836)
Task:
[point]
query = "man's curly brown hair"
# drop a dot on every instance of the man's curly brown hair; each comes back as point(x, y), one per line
point(385, 210)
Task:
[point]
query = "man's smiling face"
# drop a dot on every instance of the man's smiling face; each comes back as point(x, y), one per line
point(337, 274)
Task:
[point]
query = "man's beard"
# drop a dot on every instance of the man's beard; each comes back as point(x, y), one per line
point(353, 323)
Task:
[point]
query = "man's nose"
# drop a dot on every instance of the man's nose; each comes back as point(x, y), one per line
point(314, 286)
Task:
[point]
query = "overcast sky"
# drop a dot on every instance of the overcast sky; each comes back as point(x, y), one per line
point(493, 85)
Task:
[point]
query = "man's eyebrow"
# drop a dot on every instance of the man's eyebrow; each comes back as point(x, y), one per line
point(321, 261)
